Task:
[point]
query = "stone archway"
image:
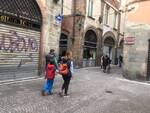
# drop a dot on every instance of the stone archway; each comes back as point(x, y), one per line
point(109, 46)
point(89, 48)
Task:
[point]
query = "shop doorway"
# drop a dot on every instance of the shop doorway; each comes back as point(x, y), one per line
point(89, 49)
point(109, 48)
point(63, 44)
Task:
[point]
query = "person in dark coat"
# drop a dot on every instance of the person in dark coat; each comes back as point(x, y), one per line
point(120, 61)
point(102, 61)
point(66, 59)
point(51, 57)
point(106, 62)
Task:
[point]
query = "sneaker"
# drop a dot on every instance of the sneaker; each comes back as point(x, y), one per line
point(60, 94)
point(50, 93)
point(42, 93)
point(47, 94)
point(66, 95)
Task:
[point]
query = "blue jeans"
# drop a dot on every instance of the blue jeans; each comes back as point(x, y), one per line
point(48, 86)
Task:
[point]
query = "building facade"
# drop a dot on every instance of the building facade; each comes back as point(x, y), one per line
point(112, 33)
point(83, 31)
point(137, 42)
point(27, 31)
point(92, 28)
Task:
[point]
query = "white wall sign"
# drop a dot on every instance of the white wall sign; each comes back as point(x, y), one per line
point(129, 40)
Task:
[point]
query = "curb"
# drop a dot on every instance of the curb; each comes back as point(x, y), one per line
point(13, 81)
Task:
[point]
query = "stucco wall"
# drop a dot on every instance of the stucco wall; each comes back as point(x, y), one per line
point(138, 26)
point(50, 29)
point(135, 56)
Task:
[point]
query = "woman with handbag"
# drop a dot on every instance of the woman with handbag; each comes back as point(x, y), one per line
point(67, 73)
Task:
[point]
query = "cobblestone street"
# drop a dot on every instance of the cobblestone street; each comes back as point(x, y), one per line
point(91, 91)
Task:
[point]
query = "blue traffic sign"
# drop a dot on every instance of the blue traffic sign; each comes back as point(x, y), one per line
point(58, 18)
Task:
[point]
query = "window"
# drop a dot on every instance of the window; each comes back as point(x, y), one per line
point(106, 11)
point(90, 8)
point(90, 44)
point(116, 21)
point(24, 13)
point(111, 17)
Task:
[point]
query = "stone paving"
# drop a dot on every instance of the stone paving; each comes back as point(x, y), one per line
point(91, 91)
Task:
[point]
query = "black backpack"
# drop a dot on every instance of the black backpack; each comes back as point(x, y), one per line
point(50, 58)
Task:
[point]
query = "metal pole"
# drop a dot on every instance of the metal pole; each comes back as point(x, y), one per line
point(62, 7)
point(74, 13)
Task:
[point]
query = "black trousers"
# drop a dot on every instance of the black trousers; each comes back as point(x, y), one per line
point(66, 83)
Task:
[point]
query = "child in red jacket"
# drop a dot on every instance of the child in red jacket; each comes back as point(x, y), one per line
point(50, 75)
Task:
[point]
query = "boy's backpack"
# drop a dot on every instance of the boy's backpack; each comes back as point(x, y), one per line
point(50, 58)
point(63, 69)
point(50, 71)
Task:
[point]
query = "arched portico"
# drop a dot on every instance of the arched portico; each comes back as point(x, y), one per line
point(89, 48)
point(109, 46)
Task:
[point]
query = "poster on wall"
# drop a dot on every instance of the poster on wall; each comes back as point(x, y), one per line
point(129, 40)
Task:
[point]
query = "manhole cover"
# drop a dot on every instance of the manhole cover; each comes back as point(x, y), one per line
point(108, 91)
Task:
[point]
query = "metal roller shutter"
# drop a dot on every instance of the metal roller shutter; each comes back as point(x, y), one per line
point(19, 52)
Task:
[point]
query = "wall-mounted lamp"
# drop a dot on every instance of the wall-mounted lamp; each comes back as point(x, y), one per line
point(127, 9)
point(55, 1)
point(100, 19)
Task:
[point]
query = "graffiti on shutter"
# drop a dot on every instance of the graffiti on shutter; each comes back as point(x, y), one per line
point(19, 51)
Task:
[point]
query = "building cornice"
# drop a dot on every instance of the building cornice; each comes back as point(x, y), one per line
point(111, 6)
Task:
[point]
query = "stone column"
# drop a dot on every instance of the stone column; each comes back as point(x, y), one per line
point(99, 50)
point(78, 51)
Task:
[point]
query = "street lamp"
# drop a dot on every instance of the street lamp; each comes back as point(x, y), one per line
point(55, 1)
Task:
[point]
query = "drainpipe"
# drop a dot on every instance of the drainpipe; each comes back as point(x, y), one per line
point(62, 10)
point(73, 29)
point(62, 7)
point(74, 13)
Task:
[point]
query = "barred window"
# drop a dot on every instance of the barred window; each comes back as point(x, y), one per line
point(20, 12)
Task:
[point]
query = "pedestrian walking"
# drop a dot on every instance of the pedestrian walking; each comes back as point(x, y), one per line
point(50, 68)
point(120, 61)
point(51, 57)
point(67, 59)
point(106, 64)
point(101, 61)
point(49, 76)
